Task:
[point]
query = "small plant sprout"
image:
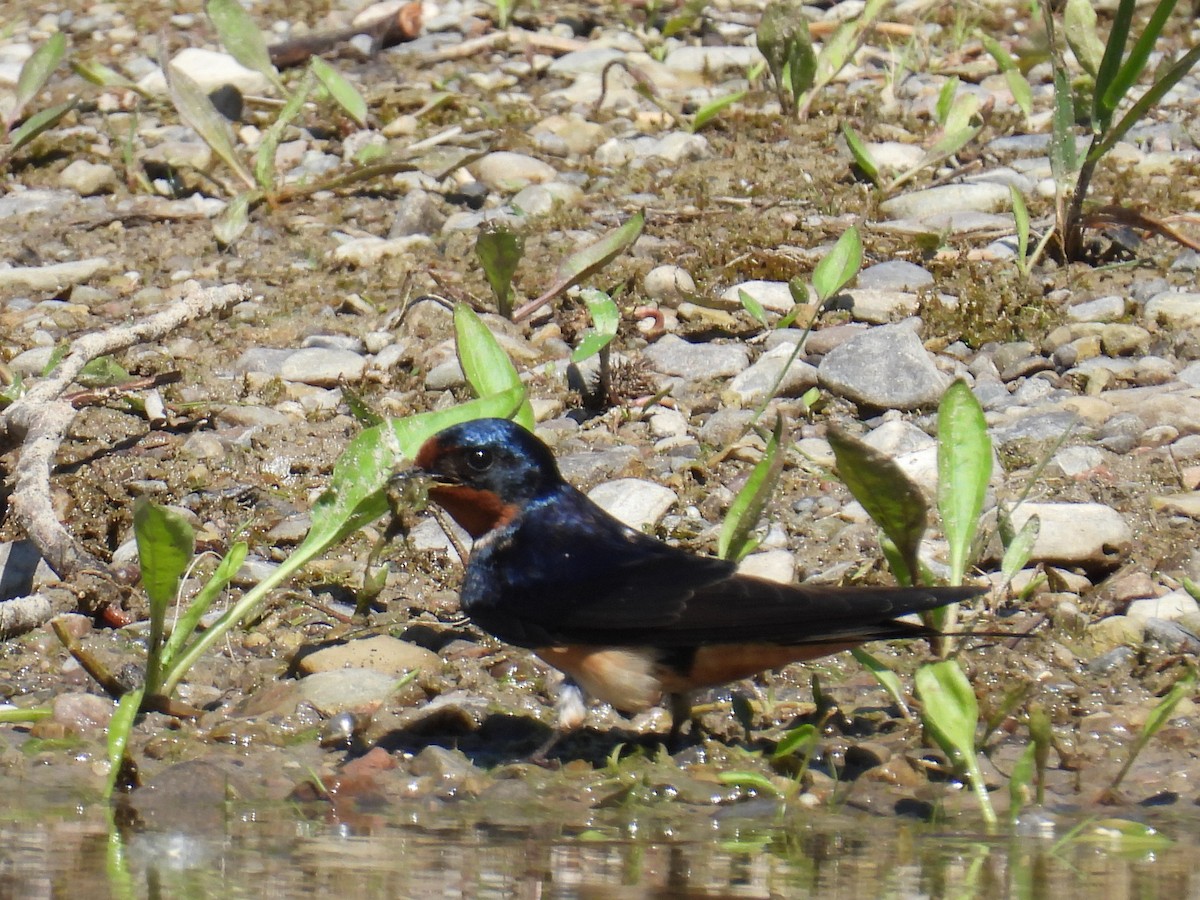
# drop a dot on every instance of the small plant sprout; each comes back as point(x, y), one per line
point(1115, 73)
point(241, 37)
point(500, 250)
point(605, 319)
point(485, 365)
point(1159, 716)
point(950, 712)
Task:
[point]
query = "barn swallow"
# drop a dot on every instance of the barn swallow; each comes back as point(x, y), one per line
point(629, 619)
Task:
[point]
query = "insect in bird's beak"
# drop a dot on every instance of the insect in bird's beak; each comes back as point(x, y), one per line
point(409, 489)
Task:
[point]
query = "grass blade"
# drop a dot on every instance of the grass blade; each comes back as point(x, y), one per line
point(39, 123)
point(736, 539)
point(120, 726)
point(37, 71)
point(187, 623)
point(198, 112)
point(1110, 63)
point(861, 154)
point(1131, 68)
point(837, 268)
point(712, 109)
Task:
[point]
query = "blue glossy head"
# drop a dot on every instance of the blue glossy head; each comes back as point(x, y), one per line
point(489, 456)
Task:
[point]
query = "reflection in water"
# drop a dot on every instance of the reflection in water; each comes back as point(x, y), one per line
point(674, 850)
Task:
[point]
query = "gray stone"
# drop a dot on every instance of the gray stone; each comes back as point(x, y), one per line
point(950, 198)
point(369, 251)
point(699, 60)
point(1170, 607)
point(1102, 309)
point(343, 690)
point(445, 376)
point(1090, 535)
point(381, 653)
point(1173, 309)
point(725, 426)
point(210, 70)
point(668, 283)
point(773, 565)
point(1172, 636)
point(773, 296)
point(323, 368)
point(753, 385)
point(894, 275)
point(637, 503)
point(53, 277)
point(543, 199)
point(885, 367)
point(878, 307)
point(88, 178)
point(672, 355)
point(265, 360)
point(508, 172)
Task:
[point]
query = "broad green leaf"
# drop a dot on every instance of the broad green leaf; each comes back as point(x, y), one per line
point(752, 306)
point(1079, 28)
point(198, 112)
point(166, 545)
point(1127, 835)
point(588, 261)
point(103, 371)
point(885, 491)
point(751, 780)
point(241, 37)
point(100, 75)
point(234, 219)
point(839, 266)
point(964, 470)
point(712, 109)
point(1019, 550)
point(119, 728)
point(735, 540)
point(39, 123)
point(801, 739)
point(37, 71)
point(356, 496)
point(950, 712)
point(887, 679)
point(485, 365)
point(500, 251)
point(344, 93)
point(605, 318)
point(785, 43)
point(959, 114)
point(861, 153)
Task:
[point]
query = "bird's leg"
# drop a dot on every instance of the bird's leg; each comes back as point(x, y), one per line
point(570, 711)
point(681, 713)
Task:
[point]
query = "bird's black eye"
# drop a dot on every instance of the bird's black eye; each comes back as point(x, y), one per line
point(479, 459)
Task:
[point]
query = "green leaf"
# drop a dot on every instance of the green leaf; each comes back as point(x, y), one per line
point(1079, 28)
point(750, 780)
point(752, 306)
point(801, 739)
point(1131, 70)
point(241, 37)
point(861, 153)
point(887, 679)
point(103, 371)
point(234, 219)
point(120, 726)
point(1021, 219)
point(713, 108)
point(589, 260)
point(166, 545)
point(1020, 549)
point(344, 93)
point(500, 251)
point(964, 470)
point(1020, 782)
point(605, 318)
point(1018, 86)
point(485, 365)
point(950, 712)
point(1064, 160)
point(198, 112)
point(1110, 63)
point(890, 497)
point(1159, 716)
point(264, 156)
point(37, 71)
point(188, 622)
point(100, 75)
point(784, 41)
point(734, 542)
point(945, 100)
point(39, 123)
point(839, 266)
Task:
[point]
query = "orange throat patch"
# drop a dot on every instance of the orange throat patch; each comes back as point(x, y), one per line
point(478, 512)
